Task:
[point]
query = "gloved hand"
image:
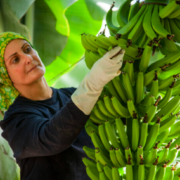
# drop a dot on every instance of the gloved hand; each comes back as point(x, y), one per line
point(103, 70)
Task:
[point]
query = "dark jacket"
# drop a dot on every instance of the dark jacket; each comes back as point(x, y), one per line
point(47, 137)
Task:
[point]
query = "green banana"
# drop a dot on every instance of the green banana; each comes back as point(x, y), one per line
point(111, 135)
point(102, 51)
point(173, 145)
point(166, 98)
point(112, 90)
point(139, 153)
point(129, 69)
point(149, 76)
point(174, 128)
point(164, 61)
point(171, 70)
point(112, 28)
point(99, 114)
point(103, 159)
point(172, 155)
point(127, 28)
point(147, 24)
point(115, 174)
point(131, 108)
point(134, 10)
point(139, 87)
point(167, 10)
point(129, 169)
point(152, 171)
point(162, 137)
point(88, 162)
point(120, 157)
point(121, 131)
point(114, 40)
point(114, 158)
point(109, 106)
point(98, 144)
point(89, 152)
point(121, 110)
point(119, 88)
point(123, 13)
point(92, 173)
point(108, 171)
point(163, 153)
point(168, 108)
point(102, 42)
point(145, 58)
point(161, 172)
point(89, 39)
point(137, 29)
point(152, 110)
point(143, 132)
point(154, 87)
point(135, 133)
point(88, 59)
point(91, 126)
point(95, 119)
point(128, 86)
point(175, 13)
point(103, 109)
point(170, 172)
point(156, 24)
point(99, 166)
point(141, 170)
point(142, 41)
point(175, 30)
point(103, 136)
point(86, 45)
point(167, 82)
point(152, 135)
point(167, 123)
point(129, 153)
point(102, 176)
point(151, 155)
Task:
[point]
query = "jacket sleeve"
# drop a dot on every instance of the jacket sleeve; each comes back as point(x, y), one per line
point(30, 135)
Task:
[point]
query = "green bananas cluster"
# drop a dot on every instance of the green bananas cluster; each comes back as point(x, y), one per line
point(138, 111)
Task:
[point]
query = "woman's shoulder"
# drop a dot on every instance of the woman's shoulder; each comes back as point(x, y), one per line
point(68, 91)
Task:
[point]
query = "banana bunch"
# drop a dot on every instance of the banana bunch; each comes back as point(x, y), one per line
point(138, 111)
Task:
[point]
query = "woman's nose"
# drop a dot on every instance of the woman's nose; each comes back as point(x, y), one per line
point(28, 58)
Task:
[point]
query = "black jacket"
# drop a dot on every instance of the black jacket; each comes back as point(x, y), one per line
point(47, 137)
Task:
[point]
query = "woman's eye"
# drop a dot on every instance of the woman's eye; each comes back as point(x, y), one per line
point(28, 49)
point(15, 60)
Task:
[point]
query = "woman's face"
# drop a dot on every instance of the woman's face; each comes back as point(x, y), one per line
point(22, 62)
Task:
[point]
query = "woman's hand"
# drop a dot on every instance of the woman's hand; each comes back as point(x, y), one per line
point(104, 70)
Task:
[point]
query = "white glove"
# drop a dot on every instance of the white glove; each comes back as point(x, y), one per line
point(103, 70)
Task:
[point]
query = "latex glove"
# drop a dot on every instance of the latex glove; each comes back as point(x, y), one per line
point(103, 70)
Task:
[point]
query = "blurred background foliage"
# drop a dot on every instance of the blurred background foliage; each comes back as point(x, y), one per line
point(54, 27)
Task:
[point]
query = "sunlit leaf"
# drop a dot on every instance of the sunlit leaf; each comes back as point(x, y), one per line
point(80, 21)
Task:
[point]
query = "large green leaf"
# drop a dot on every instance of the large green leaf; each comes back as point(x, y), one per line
point(80, 21)
point(47, 41)
point(58, 8)
point(20, 7)
point(9, 21)
point(9, 170)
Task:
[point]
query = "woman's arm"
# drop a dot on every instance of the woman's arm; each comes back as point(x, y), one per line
point(30, 135)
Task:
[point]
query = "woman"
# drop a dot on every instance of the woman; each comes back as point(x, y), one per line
point(43, 125)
